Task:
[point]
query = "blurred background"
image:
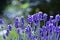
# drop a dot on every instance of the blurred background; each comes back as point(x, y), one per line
point(9, 9)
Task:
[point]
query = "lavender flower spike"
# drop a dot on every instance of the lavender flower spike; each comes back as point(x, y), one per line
point(45, 17)
point(35, 17)
point(51, 17)
point(1, 21)
point(9, 27)
point(22, 19)
point(7, 33)
point(44, 31)
point(30, 19)
point(22, 25)
point(28, 28)
point(16, 22)
point(40, 15)
point(57, 17)
point(18, 30)
point(22, 22)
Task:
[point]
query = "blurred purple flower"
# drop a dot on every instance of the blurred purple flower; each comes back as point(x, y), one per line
point(22, 19)
point(29, 35)
point(57, 30)
point(46, 38)
point(1, 21)
point(7, 33)
point(22, 22)
point(16, 22)
point(28, 28)
point(37, 24)
point(53, 38)
point(47, 23)
point(9, 27)
point(44, 31)
point(53, 21)
point(22, 25)
point(18, 30)
point(35, 17)
point(33, 38)
point(30, 19)
point(51, 18)
point(40, 15)
point(50, 28)
point(57, 17)
point(45, 16)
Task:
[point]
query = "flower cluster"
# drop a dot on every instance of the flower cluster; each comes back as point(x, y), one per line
point(33, 31)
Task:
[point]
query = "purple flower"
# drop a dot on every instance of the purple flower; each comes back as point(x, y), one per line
point(40, 15)
point(7, 33)
point(30, 19)
point(16, 22)
point(47, 23)
point(22, 19)
point(22, 25)
point(9, 27)
point(1, 21)
point(22, 22)
point(28, 31)
point(18, 30)
point(40, 35)
point(28, 28)
point(16, 19)
point(50, 28)
point(51, 17)
point(44, 31)
point(37, 24)
point(53, 21)
point(53, 38)
point(32, 38)
point(46, 38)
point(57, 30)
point(29, 35)
point(57, 17)
point(45, 17)
point(35, 17)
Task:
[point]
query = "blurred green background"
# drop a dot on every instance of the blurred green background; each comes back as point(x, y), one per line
point(9, 9)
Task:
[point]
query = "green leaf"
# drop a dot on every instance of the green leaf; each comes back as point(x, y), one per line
point(24, 6)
